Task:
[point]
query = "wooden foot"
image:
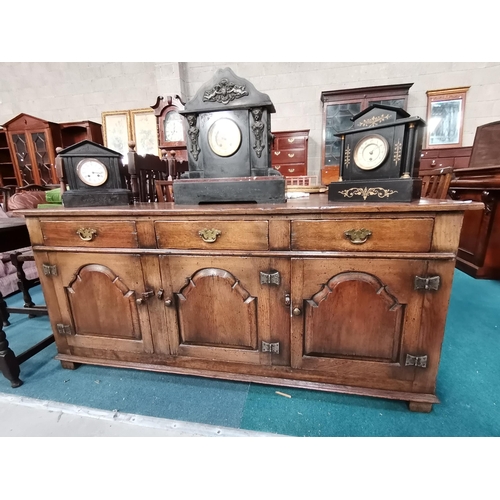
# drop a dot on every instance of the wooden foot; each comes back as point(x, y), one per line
point(69, 365)
point(9, 365)
point(420, 407)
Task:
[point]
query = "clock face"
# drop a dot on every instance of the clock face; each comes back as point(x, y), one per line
point(224, 137)
point(173, 127)
point(371, 152)
point(92, 172)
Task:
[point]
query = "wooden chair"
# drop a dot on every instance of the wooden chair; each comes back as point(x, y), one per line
point(436, 182)
point(143, 172)
point(164, 190)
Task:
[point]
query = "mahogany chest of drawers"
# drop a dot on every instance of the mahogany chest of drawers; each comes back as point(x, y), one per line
point(289, 152)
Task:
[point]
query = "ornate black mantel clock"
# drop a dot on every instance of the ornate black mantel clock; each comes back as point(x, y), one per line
point(95, 176)
point(380, 157)
point(229, 150)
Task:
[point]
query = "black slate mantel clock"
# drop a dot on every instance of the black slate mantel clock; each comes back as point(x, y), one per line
point(95, 176)
point(380, 157)
point(228, 124)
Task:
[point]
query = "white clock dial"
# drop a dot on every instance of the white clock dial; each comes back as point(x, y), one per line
point(370, 152)
point(92, 172)
point(174, 131)
point(224, 137)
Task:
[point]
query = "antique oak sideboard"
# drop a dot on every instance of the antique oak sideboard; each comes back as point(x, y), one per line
point(346, 298)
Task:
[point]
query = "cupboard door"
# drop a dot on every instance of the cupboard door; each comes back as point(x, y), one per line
point(357, 319)
point(42, 159)
point(103, 300)
point(22, 159)
point(217, 308)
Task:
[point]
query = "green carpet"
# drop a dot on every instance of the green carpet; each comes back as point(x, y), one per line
point(467, 384)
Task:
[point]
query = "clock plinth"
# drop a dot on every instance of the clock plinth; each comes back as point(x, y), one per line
point(228, 125)
point(376, 190)
point(97, 198)
point(236, 190)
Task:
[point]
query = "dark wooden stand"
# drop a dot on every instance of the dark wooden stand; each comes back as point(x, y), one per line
point(13, 235)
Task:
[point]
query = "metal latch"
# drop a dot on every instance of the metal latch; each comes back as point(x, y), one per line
point(419, 361)
point(272, 278)
point(49, 270)
point(272, 347)
point(63, 329)
point(432, 283)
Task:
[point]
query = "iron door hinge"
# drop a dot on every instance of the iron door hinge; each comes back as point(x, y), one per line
point(272, 278)
point(63, 329)
point(419, 361)
point(272, 347)
point(49, 270)
point(432, 283)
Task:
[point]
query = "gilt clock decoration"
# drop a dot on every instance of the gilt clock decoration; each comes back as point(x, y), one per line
point(228, 124)
point(380, 157)
point(95, 176)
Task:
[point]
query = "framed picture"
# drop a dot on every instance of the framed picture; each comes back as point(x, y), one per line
point(116, 131)
point(445, 116)
point(144, 131)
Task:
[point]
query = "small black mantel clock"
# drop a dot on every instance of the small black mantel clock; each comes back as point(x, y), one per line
point(228, 124)
point(380, 157)
point(95, 176)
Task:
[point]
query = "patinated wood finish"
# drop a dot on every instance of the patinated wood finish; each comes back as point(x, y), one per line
point(304, 294)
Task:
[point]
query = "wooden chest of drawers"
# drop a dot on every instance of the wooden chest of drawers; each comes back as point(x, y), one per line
point(338, 297)
point(289, 152)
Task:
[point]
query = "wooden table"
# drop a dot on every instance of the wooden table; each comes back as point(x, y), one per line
point(13, 235)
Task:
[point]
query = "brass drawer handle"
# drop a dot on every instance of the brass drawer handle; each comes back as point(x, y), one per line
point(86, 233)
point(291, 155)
point(291, 139)
point(277, 153)
point(291, 170)
point(358, 236)
point(209, 235)
point(277, 167)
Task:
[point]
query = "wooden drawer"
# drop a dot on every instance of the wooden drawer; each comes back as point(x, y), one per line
point(290, 142)
point(233, 235)
point(282, 157)
point(97, 234)
point(291, 170)
point(387, 235)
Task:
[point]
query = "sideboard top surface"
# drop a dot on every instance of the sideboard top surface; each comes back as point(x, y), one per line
point(312, 205)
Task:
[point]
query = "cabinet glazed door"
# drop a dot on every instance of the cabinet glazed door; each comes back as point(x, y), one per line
point(102, 302)
point(218, 308)
point(357, 319)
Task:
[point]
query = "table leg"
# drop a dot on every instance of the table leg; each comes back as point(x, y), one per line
point(4, 314)
point(8, 362)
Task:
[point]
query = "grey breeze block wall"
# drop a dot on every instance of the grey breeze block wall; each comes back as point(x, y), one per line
point(73, 91)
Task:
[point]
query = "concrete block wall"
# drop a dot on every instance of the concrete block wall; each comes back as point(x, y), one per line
point(62, 91)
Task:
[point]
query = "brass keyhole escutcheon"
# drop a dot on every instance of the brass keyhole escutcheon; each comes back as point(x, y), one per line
point(296, 311)
point(86, 233)
point(358, 236)
point(209, 235)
